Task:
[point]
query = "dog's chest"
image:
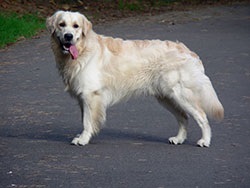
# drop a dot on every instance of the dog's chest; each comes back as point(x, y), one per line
point(81, 79)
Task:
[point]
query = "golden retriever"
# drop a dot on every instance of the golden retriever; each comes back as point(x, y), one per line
point(100, 71)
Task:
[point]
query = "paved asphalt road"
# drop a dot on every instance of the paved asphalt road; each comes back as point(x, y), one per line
point(38, 120)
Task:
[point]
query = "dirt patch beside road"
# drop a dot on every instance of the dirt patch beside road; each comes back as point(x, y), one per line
point(103, 11)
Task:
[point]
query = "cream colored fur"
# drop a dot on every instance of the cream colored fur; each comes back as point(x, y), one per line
point(109, 70)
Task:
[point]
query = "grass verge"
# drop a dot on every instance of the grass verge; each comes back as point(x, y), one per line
point(15, 27)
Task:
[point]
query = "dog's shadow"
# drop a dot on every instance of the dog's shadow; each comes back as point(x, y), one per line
point(109, 134)
point(106, 135)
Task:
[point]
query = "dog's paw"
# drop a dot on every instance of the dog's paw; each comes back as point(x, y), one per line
point(80, 141)
point(203, 143)
point(175, 140)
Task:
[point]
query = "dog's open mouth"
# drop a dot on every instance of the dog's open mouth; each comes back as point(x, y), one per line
point(71, 48)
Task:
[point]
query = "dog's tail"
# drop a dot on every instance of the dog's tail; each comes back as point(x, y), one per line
point(210, 102)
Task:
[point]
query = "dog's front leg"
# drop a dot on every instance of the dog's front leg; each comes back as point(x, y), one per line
point(94, 115)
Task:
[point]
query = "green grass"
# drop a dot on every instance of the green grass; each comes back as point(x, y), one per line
point(14, 26)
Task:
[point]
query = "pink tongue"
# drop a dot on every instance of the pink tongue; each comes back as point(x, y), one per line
point(73, 51)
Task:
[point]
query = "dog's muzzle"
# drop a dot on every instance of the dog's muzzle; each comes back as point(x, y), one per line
point(68, 46)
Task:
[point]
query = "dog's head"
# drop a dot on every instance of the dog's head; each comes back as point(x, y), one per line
point(69, 28)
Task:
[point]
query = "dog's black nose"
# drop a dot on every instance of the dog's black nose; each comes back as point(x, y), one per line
point(68, 37)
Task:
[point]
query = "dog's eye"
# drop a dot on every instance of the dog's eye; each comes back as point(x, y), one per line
point(75, 26)
point(62, 24)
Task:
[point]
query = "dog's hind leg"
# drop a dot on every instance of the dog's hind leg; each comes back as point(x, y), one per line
point(192, 107)
point(181, 118)
point(201, 118)
point(94, 115)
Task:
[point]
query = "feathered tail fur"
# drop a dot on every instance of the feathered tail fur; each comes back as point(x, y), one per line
point(210, 102)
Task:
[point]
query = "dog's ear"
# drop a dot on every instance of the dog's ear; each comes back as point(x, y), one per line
point(51, 21)
point(87, 25)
